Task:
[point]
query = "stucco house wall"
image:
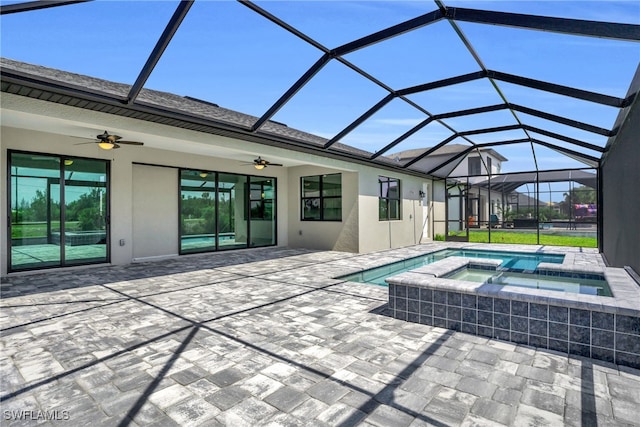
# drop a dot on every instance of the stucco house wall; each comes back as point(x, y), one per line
point(128, 173)
point(378, 235)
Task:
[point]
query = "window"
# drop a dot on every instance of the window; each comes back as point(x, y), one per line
point(489, 165)
point(322, 197)
point(475, 166)
point(389, 198)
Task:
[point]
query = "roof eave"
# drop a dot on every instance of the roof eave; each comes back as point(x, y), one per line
point(25, 84)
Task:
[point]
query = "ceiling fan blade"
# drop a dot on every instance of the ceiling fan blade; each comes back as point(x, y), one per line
point(115, 146)
point(274, 164)
point(131, 142)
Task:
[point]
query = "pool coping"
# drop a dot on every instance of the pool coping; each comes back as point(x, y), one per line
point(625, 299)
point(597, 327)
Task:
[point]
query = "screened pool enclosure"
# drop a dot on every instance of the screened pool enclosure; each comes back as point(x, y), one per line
point(550, 86)
point(546, 208)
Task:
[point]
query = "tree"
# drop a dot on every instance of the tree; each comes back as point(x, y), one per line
point(578, 195)
point(86, 210)
point(582, 194)
point(37, 210)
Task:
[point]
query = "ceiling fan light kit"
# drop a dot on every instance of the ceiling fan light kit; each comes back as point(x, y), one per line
point(260, 163)
point(106, 141)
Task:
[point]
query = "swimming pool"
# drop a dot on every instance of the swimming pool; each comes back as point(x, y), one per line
point(587, 286)
point(511, 261)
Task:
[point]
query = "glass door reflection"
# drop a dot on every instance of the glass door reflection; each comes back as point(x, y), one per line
point(85, 213)
point(232, 211)
point(35, 211)
point(197, 211)
point(59, 208)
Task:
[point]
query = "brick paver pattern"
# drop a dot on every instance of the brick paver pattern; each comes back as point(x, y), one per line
point(268, 337)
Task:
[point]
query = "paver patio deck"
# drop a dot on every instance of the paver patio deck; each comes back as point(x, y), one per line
point(267, 337)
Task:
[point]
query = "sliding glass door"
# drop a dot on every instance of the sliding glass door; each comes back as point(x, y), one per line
point(59, 211)
point(222, 211)
point(197, 211)
point(85, 211)
point(35, 211)
point(232, 211)
point(263, 216)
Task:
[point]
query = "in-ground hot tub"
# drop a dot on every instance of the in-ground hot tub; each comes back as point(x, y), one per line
point(589, 284)
point(600, 327)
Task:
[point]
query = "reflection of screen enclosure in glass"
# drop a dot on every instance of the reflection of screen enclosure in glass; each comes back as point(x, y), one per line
point(263, 215)
point(59, 211)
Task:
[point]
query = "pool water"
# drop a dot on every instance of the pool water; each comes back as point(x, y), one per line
point(534, 281)
point(513, 261)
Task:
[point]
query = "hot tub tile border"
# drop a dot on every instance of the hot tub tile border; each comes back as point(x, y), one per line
point(580, 331)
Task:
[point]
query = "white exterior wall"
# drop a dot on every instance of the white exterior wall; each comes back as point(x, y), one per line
point(324, 235)
point(437, 206)
point(122, 163)
point(155, 212)
point(360, 229)
point(378, 235)
point(40, 127)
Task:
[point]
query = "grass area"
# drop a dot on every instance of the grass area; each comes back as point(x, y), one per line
point(38, 229)
point(511, 237)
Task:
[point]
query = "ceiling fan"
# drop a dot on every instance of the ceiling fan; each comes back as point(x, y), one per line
point(106, 141)
point(260, 163)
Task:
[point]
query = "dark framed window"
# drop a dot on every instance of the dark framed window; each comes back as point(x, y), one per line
point(475, 166)
point(388, 198)
point(321, 197)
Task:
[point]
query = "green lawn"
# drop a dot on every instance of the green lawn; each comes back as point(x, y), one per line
point(531, 239)
point(38, 229)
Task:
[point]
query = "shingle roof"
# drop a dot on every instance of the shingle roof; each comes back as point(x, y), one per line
point(176, 103)
point(442, 151)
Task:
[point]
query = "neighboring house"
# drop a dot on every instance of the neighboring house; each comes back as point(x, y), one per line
point(456, 162)
point(450, 160)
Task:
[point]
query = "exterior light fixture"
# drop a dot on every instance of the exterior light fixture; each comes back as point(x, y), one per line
point(421, 193)
point(106, 145)
point(259, 166)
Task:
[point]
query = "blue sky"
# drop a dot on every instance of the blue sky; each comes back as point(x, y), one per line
point(227, 54)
